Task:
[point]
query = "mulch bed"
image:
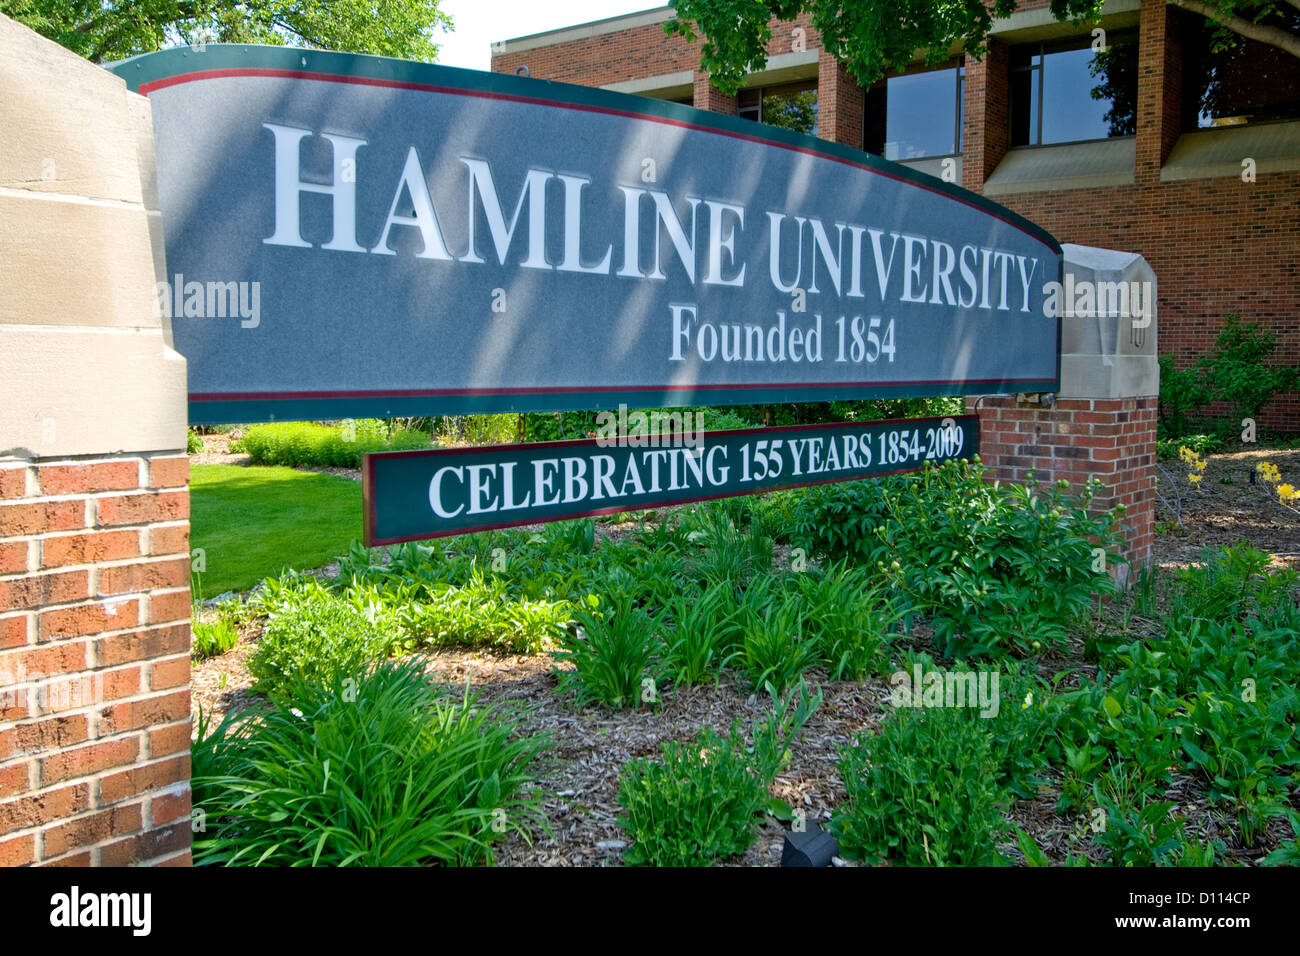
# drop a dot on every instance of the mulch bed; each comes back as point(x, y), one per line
point(590, 746)
point(1227, 509)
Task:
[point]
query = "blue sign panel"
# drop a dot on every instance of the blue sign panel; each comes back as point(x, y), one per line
point(357, 236)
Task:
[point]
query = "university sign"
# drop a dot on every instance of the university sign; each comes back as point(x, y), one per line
point(358, 236)
point(426, 494)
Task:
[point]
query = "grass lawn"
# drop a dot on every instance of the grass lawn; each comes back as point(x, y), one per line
point(252, 522)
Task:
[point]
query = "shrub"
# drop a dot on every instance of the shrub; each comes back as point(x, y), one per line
point(921, 792)
point(701, 801)
point(772, 515)
point(1149, 835)
point(193, 442)
point(1237, 371)
point(314, 636)
point(479, 612)
point(989, 565)
point(1167, 448)
point(478, 429)
point(309, 443)
point(392, 775)
point(614, 654)
point(1223, 585)
point(1182, 392)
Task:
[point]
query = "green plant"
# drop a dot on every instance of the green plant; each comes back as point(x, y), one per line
point(1182, 392)
point(1023, 731)
point(727, 554)
point(309, 443)
point(702, 638)
point(391, 773)
point(994, 568)
point(1221, 587)
point(921, 791)
point(213, 637)
point(849, 616)
point(774, 646)
point(479, 612)
point(314, 636)
point(1288, 852)
point(477, 429)
point(193, 442)
point(702, 799)
point(614, 653)
point(771, 515)
point(1149, 835)
point(1169, 448)
point(1237, 370)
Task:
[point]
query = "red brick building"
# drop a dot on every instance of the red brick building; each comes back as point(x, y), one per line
point(1188, 156)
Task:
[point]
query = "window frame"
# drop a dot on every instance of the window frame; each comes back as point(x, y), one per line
point(791, 86)
point(958, 68)
point(1042, 49)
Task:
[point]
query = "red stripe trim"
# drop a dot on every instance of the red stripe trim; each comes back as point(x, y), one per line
point(576, 390)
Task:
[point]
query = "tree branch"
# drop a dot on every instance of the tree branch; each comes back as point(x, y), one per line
point(1273, 36)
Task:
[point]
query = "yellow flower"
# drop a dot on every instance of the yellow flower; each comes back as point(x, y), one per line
point(1286, 493)
point(1194, 479)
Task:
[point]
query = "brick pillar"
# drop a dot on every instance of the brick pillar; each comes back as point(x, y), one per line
point(94, 503)
point(1160, 79)
point(95, 666)
point(987, 107)
point(1103, 421)
point(1112, 440)
point(709, 97)
point(839, 103)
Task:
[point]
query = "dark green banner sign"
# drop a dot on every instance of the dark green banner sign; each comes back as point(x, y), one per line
point(428, 494)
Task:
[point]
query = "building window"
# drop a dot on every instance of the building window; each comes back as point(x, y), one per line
point(916, 115)
point(1068, 92)
point(793, 106)
point(1246, 82)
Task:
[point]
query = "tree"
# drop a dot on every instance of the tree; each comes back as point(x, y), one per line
point(796, 111)
point(103, 30)
point(873, 37)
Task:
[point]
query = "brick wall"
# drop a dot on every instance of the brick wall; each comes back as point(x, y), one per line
point(635, 53)
point(94, 661)
point(839, 103)
point(1075, 440)
point(709, 97)
point(987, 108)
